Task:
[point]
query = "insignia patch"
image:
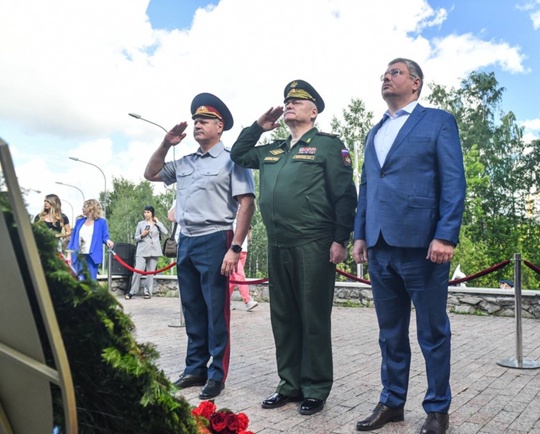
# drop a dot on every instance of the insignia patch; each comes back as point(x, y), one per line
point(304, 157)
point(277, 151)
point(346, 157)
point(271, 159)
point(307, 151)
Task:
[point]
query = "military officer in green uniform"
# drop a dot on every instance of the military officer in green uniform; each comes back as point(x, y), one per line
point(307, 201)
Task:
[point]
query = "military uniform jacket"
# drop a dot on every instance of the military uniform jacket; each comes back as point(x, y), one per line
point(307, 191)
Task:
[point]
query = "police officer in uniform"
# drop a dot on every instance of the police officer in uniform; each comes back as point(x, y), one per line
point(307, 201)
point(210, 191)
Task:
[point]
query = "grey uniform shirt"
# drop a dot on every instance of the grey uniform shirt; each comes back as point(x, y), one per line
point(206, 187)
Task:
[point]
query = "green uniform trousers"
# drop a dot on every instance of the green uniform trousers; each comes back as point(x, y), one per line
point(301, 283)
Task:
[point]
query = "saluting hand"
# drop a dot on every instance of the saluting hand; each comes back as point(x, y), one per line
point(176, 135)
point(268, 121)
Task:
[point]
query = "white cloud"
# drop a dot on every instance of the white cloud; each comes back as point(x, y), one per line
point(533, 7)
point(532, 124)
point(73, 70)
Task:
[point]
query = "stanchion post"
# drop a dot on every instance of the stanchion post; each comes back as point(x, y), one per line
point(182, 322)
point(109, 276)
point(518, 307)
point(518, 362)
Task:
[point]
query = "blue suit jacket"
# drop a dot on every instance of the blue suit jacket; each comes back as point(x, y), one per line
point(99, 237)
point(419, 192)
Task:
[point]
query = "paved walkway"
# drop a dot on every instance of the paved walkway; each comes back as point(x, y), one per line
point(488, 398)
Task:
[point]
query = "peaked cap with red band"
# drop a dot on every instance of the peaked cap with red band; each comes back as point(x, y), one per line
point(210, 106)
point(300, 89)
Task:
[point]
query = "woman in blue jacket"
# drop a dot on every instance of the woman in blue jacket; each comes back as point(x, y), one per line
point(89, 233)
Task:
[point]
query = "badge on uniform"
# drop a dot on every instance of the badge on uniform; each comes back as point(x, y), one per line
point(277, 151)
point(304, 157)
point(346, 157)
point(307, 151)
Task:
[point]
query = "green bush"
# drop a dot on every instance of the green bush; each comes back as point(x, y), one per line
point(118, 387)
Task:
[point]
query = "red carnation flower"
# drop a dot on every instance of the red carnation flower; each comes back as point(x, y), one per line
point(243, 421)
point(205, 409)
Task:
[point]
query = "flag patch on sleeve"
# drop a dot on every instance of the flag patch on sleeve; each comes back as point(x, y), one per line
point(346, 157)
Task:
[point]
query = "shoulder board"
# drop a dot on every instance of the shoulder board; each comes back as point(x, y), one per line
point(320, 133)
point(259, 144)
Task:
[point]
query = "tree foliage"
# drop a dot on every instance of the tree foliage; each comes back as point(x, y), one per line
point(501, 175)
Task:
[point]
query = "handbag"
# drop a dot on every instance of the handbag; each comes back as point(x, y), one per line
point(170, 248)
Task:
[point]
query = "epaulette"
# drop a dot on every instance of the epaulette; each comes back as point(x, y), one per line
point(320, 133)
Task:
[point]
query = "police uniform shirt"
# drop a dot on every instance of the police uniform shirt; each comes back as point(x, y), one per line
point(206, 187)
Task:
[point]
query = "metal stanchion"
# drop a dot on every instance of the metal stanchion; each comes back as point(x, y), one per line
point(182, 322)
point(518, 362)
point(109, 276)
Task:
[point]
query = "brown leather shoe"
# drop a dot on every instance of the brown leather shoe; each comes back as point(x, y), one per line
point(380, 416)
point(436, 423)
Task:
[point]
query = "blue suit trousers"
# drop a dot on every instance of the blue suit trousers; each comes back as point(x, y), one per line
point(400, 276)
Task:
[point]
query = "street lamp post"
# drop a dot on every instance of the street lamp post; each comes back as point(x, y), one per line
point(73, 186)
point(137, 116)
point(104, 182)
point(72, 213)
point(356, 174)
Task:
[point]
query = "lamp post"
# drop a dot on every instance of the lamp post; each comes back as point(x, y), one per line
point(72, 213)
point(137, 116)
point(73, 186)
point(356, 174)
point(104, 182)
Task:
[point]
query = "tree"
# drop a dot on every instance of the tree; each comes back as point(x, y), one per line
point(500, 170)
point(353, 129)
point(126, 204)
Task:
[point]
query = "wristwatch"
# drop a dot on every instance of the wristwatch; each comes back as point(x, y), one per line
point(236, 248)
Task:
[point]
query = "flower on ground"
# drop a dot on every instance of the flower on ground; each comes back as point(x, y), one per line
point(224, 421)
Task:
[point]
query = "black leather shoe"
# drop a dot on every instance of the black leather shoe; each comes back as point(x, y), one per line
point(211, 389)
point(380, 417)
point(311, 406)
point(436, 423)
point(188, 380)
point(279, 400)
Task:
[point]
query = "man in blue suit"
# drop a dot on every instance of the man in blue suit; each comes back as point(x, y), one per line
point(409, 213)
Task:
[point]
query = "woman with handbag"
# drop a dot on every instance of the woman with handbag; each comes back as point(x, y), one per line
point(147, 236)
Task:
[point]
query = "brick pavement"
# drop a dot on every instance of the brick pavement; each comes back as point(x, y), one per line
point(488, 398)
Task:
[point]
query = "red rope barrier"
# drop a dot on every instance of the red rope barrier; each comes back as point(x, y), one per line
point(353, 277)
point(130, 268)
point(532, 266)
point(249, 282)
point(451, 282)
point(343, 273)
point(480, 273)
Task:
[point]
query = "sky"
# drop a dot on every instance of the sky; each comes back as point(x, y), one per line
point(72, 70)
